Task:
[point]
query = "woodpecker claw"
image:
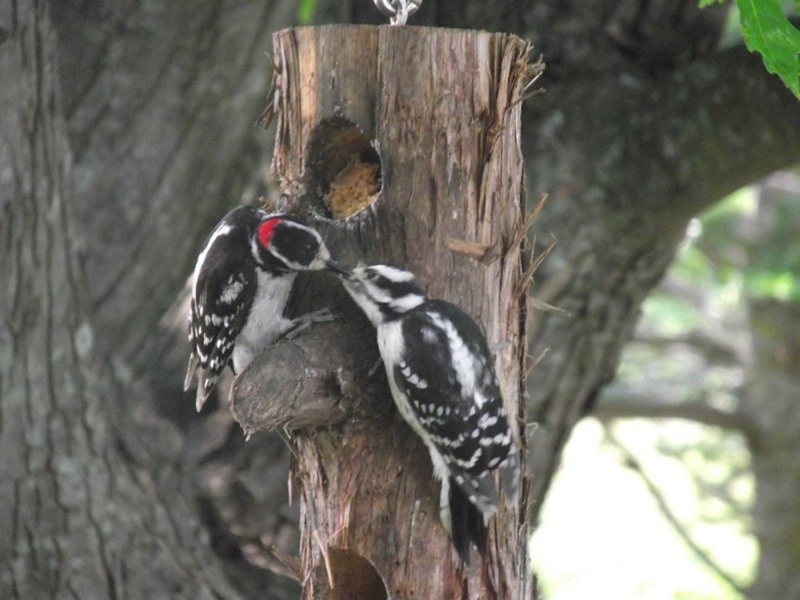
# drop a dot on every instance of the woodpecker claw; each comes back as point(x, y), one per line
point(303, 322)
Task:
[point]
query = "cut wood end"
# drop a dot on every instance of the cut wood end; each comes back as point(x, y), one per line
point(280, 391)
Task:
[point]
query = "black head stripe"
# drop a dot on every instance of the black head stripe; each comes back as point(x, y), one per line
point(398, 289)
point(395, 281)
point(297, 244)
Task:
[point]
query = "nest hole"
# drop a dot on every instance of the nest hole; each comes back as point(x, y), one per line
point(343, 169)
point(354, 577)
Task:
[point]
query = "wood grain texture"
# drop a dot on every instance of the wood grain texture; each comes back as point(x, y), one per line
point(441, 107)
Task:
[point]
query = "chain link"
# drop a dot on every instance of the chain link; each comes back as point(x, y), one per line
point(398, 11)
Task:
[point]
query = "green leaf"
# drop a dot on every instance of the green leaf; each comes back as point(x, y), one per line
point(781, 286)
point(305, 11)
point(767, 31)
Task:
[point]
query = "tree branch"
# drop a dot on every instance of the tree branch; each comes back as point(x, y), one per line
point(694, 135)
point(713, 345)
point(745, 125)
point(632, 462)
point(307, 382)
point(654, 407)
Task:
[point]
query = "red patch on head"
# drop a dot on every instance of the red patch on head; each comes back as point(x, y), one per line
point(265, 231)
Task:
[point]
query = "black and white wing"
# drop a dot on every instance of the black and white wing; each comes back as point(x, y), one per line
point(446, 372)
point(223, 294)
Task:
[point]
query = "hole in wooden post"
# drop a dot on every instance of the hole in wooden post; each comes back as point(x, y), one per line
point(354, 577)
point(343, 169)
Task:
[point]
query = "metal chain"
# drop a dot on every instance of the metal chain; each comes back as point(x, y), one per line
point(398, 11)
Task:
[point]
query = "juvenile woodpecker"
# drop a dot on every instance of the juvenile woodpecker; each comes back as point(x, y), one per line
point(242, 281)
point(444, 384)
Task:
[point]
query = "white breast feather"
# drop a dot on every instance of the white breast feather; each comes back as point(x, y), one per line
point(391, 346)
point(266, 322)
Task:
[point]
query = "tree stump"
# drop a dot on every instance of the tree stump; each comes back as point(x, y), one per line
point(401, 145)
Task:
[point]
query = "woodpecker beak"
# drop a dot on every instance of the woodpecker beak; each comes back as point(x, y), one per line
point(337, 268)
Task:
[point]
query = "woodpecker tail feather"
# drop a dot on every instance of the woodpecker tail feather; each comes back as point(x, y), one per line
point(204, 386)
point(467, 523)
point(190, 370)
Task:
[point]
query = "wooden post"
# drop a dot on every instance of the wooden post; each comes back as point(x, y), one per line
point(401, 145)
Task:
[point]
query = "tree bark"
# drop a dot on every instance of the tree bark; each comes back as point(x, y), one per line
point(161, 102)
point(772, 405)
point(145, 88)
point(78, 518)
point(440, 112)
point(771, 394)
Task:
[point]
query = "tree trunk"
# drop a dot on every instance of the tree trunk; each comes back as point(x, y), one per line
point(78, 519)
point(161, 100)
point(772, 404)
point(402, 144)
point(771, 398)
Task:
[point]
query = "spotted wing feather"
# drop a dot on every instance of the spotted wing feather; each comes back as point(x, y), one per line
point(460, 408)
point(223, 297)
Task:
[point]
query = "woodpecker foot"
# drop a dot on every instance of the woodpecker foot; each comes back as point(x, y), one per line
point(374, 368)
point(303, 322)
point(499, 347)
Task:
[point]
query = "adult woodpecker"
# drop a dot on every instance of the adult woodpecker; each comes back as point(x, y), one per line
point(242, 281)
point(443, 382)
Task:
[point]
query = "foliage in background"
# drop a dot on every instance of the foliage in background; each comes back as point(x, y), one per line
point(768, 31)
point(678, 491)
point(755, 250)
point(305, 11)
